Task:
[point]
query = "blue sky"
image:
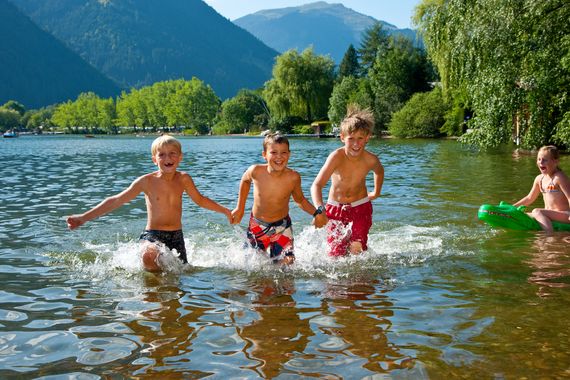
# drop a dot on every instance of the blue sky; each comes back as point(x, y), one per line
point(396, 12)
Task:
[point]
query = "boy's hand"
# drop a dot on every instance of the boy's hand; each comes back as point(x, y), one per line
point(372, 196)
point(229, 215)
point(74, 221)
point(237, 215)
point(320, 220)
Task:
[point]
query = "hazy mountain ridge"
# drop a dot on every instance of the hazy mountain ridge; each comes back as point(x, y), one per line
point(139, 42)
point(314, 24)
point(36, 69)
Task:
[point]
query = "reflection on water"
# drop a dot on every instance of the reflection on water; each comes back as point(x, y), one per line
point(550, 263)
point(437, 295)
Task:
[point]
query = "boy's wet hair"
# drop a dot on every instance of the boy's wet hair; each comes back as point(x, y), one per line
point(164, 140)
point(552, 150)
point(357, 119)
point(274, 138)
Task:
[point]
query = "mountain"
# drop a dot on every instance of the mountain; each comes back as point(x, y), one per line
point(139, 42)
point(330, 28)
point(38, 70)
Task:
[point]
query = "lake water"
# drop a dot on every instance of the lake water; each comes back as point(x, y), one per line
point(438, 295)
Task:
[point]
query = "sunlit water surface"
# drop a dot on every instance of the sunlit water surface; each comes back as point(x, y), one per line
point(438, 294)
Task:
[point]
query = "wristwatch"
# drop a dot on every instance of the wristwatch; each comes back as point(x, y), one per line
point(319, 210)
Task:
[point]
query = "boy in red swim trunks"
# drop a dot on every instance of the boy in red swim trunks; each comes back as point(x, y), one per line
point(163, 190)
point(349, 201)
point(273, 185)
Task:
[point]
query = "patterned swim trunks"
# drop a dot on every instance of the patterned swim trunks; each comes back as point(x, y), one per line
point(276, 236)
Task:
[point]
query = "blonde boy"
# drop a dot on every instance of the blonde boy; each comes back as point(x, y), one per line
point(163, 190)
point(274, 184)
point(349, 202)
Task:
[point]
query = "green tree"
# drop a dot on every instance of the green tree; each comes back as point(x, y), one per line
point(14, 105)
point(422, 116)
point(132, 110)
point(40, 120)
point(340, 96)
point(205, 106)
point(301, 84)
point(88, 113)
point(374, 40)
point(510, 59)
point(9, 119)
point(398, 72)
point(173, 103)
point(125, 111)
point(242, 112)
point(278, 100)
point(64, 116)
point(192, 104)
point(106, 115)
point(349, 65)
point(85, 112)
point(350, 90)
point(155, 99)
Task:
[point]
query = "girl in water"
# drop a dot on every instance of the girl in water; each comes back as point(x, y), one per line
point(555, 188)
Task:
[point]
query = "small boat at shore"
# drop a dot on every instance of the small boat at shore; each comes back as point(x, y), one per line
point(10, 134)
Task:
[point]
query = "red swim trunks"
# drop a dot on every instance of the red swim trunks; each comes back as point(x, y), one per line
point(339, 237)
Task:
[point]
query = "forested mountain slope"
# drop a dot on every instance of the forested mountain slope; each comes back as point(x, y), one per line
point(38, 70)
point(139, 42)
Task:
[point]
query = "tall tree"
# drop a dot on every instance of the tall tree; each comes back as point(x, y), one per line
point(191, 103)
point(87, 113)
point(398, 72)
point(40, 120)
point(14, 105)
point(349, 65)
point(350, 90)
point(242, 112)
point(9, 119)
point(510, 58)
point(302, 83)
point(374, 40)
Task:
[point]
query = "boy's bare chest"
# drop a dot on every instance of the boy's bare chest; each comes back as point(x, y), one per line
point(165, 191)
point(272, 185)
point(351, 171)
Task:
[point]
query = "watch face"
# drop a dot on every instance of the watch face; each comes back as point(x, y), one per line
point(319, 210)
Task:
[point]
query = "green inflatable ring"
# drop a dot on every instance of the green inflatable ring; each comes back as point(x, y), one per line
point(514, 218)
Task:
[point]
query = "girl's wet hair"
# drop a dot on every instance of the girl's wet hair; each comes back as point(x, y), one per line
point(357, 119)
point(274, 138)
point(552, 150)
point(164, 140)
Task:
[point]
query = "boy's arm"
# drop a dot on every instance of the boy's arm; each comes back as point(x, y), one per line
point(321, 180)
point(202, 200)
point(299, 198)
point(532, 195)
point(244, 186)
point(378, 171)
point(108, 205)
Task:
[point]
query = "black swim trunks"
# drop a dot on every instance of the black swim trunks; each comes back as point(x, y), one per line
point(171, 239)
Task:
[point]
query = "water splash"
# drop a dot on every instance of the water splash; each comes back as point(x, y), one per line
point(227, 249)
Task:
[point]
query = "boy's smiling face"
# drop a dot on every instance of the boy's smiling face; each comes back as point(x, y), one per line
point(277, 156)
point(167, 158)
point(354, 143)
